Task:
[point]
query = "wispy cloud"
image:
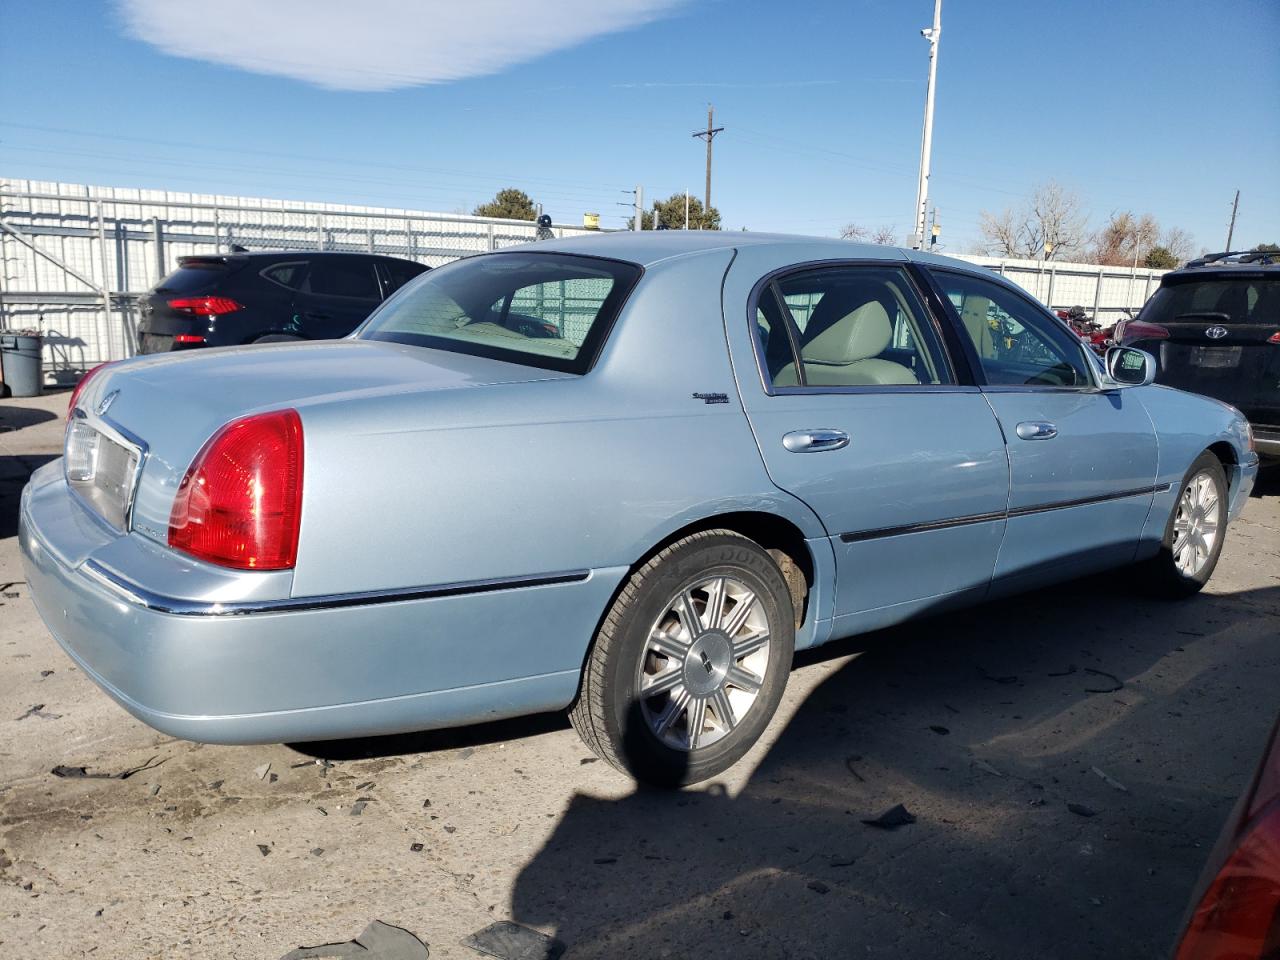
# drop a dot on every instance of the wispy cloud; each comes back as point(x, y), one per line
point(378, 44)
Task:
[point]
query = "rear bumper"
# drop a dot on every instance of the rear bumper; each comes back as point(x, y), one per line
point(305, 673)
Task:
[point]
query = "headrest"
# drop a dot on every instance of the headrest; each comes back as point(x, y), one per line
point(863, 333)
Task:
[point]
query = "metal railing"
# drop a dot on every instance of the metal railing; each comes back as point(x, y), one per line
point(74, 259)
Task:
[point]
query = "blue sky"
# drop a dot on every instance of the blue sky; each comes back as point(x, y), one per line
point(1162, 108)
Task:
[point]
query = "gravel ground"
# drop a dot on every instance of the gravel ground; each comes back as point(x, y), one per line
point(985, 724)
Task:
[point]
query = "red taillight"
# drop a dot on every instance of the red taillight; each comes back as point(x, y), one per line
point(84, 382)
point(188, 338)
point(1274, 338)
point(240, 503)
point(1141, 330)
point(206, 306)
point(1239, 915)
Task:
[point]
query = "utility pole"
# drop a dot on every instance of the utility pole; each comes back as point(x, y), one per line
point(926, 141)
point(686, 209)
point(639, 207)
point(1232, 228)
point(708, 135)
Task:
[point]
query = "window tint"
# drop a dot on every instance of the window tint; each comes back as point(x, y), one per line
point(343, 277)
point(548, 310)
point(398, 273)
point(1017, 344)
point(288, 275)
point(1236, 300)
point(193, 275)
point(855, 326)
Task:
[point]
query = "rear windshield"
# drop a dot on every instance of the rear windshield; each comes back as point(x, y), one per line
point(541, 309)
point(193, 276)
point(1220, 300)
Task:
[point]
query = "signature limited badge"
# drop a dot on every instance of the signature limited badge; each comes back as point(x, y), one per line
point(105, 403)
point(1216, 333)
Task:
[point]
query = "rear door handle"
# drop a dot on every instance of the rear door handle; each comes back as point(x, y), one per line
point(815, 441)
point(1037, 430)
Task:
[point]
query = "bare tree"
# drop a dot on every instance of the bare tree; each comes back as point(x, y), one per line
point(1178, 242)
point(1126, 239)
point(885, 235)
point(1050, 224)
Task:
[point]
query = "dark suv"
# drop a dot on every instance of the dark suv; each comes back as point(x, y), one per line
point(1214, 326)
point(226, 299)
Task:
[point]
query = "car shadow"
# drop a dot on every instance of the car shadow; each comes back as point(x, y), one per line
point(15, 471)
point(19, 418)
point(1268, 482)
point(986, 724)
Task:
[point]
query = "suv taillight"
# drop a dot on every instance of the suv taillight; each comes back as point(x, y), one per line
point(206, 306)
point(240, 503)
point(84, 382)
point(1141, 330)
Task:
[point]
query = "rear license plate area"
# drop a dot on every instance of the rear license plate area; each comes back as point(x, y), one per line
point(1219, 358)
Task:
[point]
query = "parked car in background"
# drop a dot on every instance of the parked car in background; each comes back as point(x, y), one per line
point(1235, 911)
point(217, 300)
point(1214, 326)
point(733, 446)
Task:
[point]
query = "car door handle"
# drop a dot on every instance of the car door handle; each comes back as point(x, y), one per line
point(815, 441)
point(1037, 430)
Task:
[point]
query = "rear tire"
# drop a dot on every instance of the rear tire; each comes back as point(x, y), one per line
point(1194, 533)
point(690, 662)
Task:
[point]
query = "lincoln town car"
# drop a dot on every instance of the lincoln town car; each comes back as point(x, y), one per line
point(622, 475)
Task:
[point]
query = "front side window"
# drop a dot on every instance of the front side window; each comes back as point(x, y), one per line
point(547, 310)
point(853, 326)
point(1016, 344)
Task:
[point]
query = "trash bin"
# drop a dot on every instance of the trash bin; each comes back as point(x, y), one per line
point(21, 364)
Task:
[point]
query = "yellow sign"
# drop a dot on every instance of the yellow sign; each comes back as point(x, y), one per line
point(591, 221)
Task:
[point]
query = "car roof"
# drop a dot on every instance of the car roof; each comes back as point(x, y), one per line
point(268, 255)
point(647, 247)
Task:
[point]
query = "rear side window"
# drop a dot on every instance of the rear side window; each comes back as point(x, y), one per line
point(288, 275)
point(542, 310)
point(1226, 300)
point(194, 275)
point(854, 326)
point(343, 277)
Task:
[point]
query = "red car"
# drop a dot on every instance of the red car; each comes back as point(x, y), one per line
point(1236, 915)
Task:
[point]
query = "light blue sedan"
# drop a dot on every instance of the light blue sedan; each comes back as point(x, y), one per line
point(627, 475)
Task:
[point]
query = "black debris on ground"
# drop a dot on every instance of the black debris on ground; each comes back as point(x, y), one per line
point(37, 710)
point(896, 816)
point(82, 773)
point(1119, 684)
point(1003, 680)
point(357, 808)
point(216, 784)
point(415, 848)
point(45, 673)
point(1079, 809)
point(1110, 781)
point(1065, 673)
point(378, 941)
point(367, 785)
point(317, 851)
point(511, 941)
point(939, 729)
point(817, 886)
point(262, 771)
point(604, 860)
point(585, 760)
point(263, 849)
point(849, 762)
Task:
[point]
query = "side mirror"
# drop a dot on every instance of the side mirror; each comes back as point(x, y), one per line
point(1131, 368)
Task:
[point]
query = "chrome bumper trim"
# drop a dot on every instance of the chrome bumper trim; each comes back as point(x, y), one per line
point(141, 597)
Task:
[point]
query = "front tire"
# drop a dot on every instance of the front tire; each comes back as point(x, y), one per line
point(691, 661)
point(1194, 534)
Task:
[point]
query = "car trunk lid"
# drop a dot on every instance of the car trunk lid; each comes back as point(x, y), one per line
point(168, 406)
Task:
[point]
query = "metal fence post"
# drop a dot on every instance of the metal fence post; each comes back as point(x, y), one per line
point(1097, 292)
point(106, 285)
point(157, 237)
point(491, 239)
point(1053, 274)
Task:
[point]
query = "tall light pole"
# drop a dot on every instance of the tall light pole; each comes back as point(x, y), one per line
point(708, 135)
point(926, 141)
